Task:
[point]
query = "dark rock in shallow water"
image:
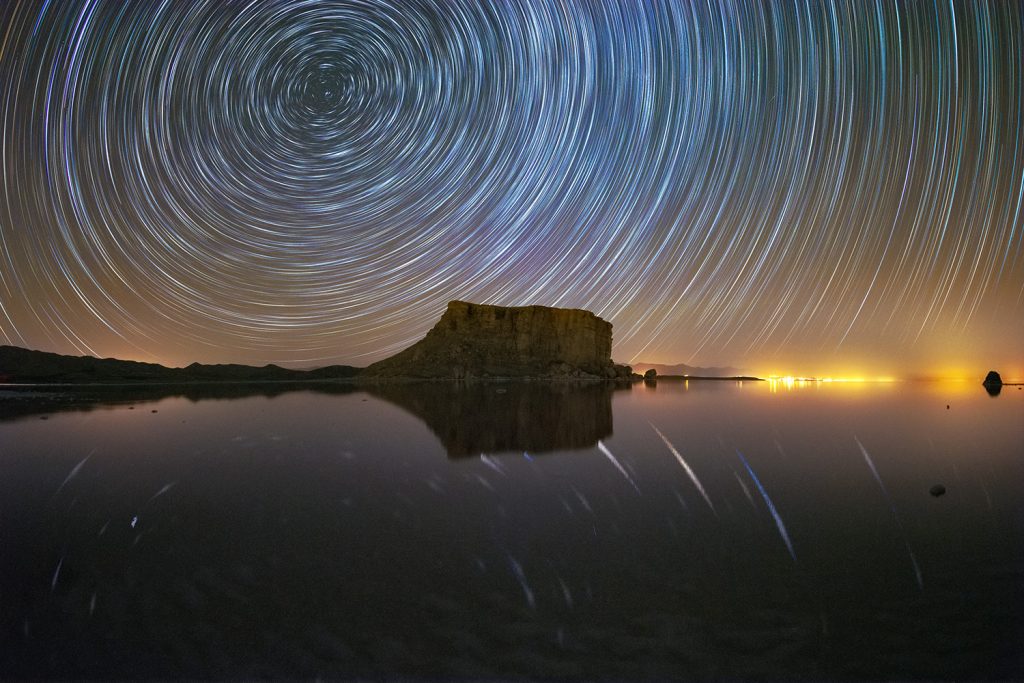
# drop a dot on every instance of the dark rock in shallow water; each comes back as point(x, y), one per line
point(474, 341)
point(993, 378)
point(937, 490)
point(651, 374)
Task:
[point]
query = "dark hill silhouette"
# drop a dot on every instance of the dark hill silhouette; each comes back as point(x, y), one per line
point(679, 369)
point(470, 341)
point(27, 366)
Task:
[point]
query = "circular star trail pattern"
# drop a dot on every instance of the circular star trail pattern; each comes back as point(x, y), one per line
point(310, 182)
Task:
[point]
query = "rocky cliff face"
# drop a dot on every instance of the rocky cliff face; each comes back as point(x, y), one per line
point(473, 341)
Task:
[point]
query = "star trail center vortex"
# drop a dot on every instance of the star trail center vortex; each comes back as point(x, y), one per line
point(310, 182)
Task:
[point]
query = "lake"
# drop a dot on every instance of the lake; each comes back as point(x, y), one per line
point(709, 529)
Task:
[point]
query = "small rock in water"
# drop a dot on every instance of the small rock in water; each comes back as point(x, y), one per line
point(44, 417)
point(937, 490)
point(152, 411)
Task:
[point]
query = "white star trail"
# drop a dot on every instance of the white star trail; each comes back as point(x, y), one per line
point(310, 181)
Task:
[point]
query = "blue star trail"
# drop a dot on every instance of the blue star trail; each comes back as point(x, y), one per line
point(310, 182)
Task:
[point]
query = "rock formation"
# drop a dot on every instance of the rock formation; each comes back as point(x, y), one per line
point(993, 383)
point(993, 378)
point(476, 341)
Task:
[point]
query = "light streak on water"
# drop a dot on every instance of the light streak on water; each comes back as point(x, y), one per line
point(686, 468)
point(517, 569)
point(566, 593)
point(582, 499)
point(743, 485)
point(771, 506)
point(74, 472)
point(895, 513)
point(608, 454)
point(162, 491)
point(492, 464)
point(56, 574)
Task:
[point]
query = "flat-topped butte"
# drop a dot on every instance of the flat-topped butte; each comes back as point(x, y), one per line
point(477, 341)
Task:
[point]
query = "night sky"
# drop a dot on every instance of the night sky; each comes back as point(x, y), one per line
point(791, 187)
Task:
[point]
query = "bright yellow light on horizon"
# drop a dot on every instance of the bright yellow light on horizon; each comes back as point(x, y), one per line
point(789, 381)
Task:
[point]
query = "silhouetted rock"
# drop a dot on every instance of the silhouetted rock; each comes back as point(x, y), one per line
point(623, 372)
point(993, 378)
point(993, 383)
point(473, 341)
point(651, 374)
point(937, 490)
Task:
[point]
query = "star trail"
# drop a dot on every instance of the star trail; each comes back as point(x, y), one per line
point(780, 185)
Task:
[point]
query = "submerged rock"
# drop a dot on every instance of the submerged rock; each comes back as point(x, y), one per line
point(474, 341)
point(937, 490)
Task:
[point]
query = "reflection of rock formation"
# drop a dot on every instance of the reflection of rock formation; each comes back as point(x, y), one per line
point(477, 341)
point(475, 418)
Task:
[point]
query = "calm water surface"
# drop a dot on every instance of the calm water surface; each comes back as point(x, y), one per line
point(504, 531)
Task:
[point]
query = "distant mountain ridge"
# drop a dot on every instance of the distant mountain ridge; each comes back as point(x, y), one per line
point(25, 365)
point(684, 369)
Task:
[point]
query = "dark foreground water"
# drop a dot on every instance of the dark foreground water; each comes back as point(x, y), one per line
point(506, 531)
